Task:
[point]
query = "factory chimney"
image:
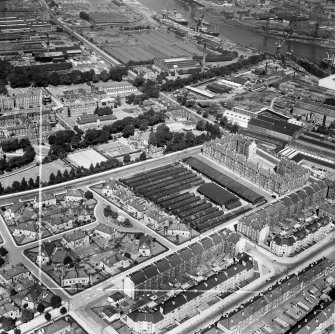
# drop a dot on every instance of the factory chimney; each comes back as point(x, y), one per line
point(204, 56)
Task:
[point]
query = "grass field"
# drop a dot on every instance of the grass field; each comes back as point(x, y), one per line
point(47, 169)
point(86, 158)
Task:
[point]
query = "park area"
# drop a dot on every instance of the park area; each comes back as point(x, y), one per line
point(143, 45)
point(86, 158)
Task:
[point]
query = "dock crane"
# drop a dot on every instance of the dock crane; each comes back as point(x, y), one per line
point(198, 20)
point(279, 44)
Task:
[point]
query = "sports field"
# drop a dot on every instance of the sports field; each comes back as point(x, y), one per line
point(86, 158)
point(47, 169)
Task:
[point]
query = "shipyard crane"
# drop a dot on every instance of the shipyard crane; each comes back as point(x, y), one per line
point(279, 44)
point(198, 20)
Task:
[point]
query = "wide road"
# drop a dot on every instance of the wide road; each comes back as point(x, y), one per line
point(100, 177)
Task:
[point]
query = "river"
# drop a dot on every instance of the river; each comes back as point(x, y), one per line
point(238, 35)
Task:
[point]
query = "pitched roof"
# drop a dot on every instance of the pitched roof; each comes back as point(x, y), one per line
point(33, 293)
point(138, 316)
point(13, 272)
point(75, 273)
point(56, 326)
point(28, 226)
point(105, 228)
point(77, 235)
point(162, 265)
point(138, 277)
point(74, 193)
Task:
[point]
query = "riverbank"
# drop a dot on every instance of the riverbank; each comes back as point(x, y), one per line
point(326, 43)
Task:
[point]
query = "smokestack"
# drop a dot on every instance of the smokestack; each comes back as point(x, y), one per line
point(266, 68)
point(204, 56)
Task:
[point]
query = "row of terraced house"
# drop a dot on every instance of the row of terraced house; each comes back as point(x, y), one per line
point(158, 315)
point(237, 321)
point(256, 225)
point(172, 268)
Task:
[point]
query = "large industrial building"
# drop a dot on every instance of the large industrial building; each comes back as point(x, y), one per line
point(239, 154)
point(328, 82)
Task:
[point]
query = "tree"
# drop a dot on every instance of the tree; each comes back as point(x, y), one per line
point(68, 261)
point(26, 315)
point(128, 130)
point(7, 323)
point(189, 139)
point(24, 184)
point(3, 251)
point(143, 156)
point(63, 310)
point(31, 183)
point(56, 301)
point(126, 158)
point(118, 100)
point(118, 72)
point(88, 194)
point(143, 126)
point(47, 316)
point(152, 138)
point(52, 178)
point(139, 81)
point(104, 76)
point(234, 128)
point(17, 331)
point(16, 186)
point(84, 16)
point(59, 176)
point(114, 215)
point(127, 223)
point(2, 261)
point(40, 308)
point(108, 211)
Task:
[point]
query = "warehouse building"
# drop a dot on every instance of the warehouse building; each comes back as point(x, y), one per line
point(219, 196)
point(172, 64)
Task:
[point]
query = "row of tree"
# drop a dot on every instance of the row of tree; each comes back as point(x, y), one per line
point(3, 253)
point(149, 88)
point(213, 72)
point(27, 315)
point(128, 125)
point(176, 141)
point(60, 177)
point(103, 111)
point(66, 141)
point(41, 77)
point(311, 67)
